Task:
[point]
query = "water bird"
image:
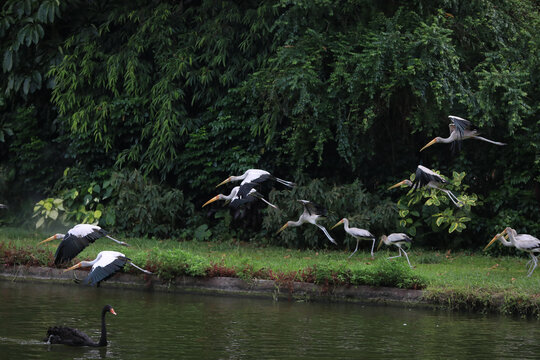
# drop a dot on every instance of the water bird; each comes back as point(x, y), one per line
point(523, 242)
point(312, 213)
point(2, 206)
point(105, 265)
point(74, 337)
point(358, 234)
point(241, 195)
point(76, 240)
point(256, 176)
point(460, 129)
point(425, 177)
point(396, 239)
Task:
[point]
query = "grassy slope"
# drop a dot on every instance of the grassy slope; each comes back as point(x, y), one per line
point(460, 280)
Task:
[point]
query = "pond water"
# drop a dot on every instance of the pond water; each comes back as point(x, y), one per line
point(154, 325)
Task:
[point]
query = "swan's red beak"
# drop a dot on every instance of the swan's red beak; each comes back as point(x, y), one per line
point(112, 311)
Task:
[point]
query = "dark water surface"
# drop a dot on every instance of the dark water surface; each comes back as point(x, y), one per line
point(153, 325)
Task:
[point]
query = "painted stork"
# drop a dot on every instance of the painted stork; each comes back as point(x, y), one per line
point(523, 242)
point(312, 213)
point(105, 265)
point(2, 206)
point(76, 240)
point(358, 234)
point(256, 176)
point(241, 195)
point(74, 337)
point(460, 129)
point(396, 239)
point(425, 177)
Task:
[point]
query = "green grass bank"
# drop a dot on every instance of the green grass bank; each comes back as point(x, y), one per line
point(458, 281)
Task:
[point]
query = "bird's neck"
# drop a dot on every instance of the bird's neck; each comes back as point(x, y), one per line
point(103, 338)
point(346, 224)
point(297, 222)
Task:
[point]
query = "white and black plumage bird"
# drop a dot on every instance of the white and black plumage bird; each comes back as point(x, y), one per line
point(76, 240)
point(105, 265)
point(523, 242)
point(2, 206)
point(460, 129)
point(256, 176)
point(358, 234)
point(241, 195)
point(312, 213)
point(425, 177)
point(396, 239)
point(74, 337)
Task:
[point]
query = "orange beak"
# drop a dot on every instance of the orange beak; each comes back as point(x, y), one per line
point(397, 185)
point(339, 223)
point(215, 198)
point(282, 228)
point(224, 181)
point(76, 266)
point(112, 311)
point(429, 144)
point(48, 239)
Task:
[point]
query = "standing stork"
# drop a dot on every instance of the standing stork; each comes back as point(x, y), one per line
point(358, 234)
point(76, 240)
point(105, 265)
point(256, 176)
point(425, 177)
point(312, 213)
point(241, 195)
point(396, 239)
point(523, 242)
point(460, 129)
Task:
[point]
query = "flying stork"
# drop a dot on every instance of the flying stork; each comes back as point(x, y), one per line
point(358, 234)
point(460, 129)
point(425, 177)
point(105, 265)
point(256, 176)
point(241, 195)
point(76, 240)
point(312, 213)
point(396, 239)
point(523, 242)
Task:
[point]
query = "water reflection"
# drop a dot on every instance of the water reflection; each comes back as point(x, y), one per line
point(154, 325)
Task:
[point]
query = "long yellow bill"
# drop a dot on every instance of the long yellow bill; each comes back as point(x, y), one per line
point(339, 223)
point(76, 266)
point(380, 244)
point(224, 181)
point(492, 241)
point(397, 185)
point(215, 198)
point(429, 144)
point(282, 228)
point(47, 239)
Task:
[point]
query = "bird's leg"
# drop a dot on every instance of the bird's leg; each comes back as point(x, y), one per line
point(372, 247)
point(535, 263)
point(399, 254)
point(136, 267)
point(357, 241)
point(326, 233)
point(118, 242)
point(452, 197)
point(407, 257)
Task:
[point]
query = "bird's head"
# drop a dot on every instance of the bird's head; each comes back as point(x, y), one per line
point(54, 237)
point(383, 238)
point(109, 308)
point(338, 223)
point(434, 141)
point(215, 198)
point(406, 182)
point(229, 179)
point(492, 241)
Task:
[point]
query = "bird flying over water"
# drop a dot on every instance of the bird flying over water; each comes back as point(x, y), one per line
point(358, 234)
point(76, 240)
point(105, 265)
point(256, 176)
point(312, 213)
point(425, 177)
point(74, 337)
point(460, 129)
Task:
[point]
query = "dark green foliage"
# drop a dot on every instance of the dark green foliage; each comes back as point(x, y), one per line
point(191, 92)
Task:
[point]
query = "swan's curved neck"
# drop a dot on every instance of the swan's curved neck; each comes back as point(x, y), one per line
point(103, 338)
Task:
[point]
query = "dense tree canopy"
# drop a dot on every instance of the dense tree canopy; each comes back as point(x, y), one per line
point(129, 113)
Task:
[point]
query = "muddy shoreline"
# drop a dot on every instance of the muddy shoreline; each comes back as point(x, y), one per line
point(229, 286)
